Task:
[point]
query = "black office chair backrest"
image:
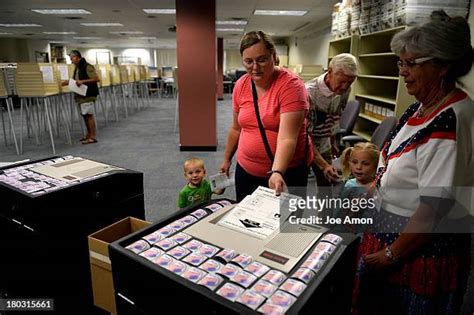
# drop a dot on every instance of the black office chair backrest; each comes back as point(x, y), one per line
point(383, 131)
point(349, 116)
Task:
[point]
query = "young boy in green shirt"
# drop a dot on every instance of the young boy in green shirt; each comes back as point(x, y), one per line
point(198, 189)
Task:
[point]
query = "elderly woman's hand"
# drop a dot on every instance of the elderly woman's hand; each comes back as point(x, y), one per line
point(277, 183)
point(378, 261)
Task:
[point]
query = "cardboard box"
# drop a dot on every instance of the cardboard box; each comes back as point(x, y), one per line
point(101, 270)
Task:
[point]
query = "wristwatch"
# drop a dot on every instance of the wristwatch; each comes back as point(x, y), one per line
point(390, 255)
point(275, 171)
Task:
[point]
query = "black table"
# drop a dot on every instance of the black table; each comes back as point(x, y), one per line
point(143, 288)
point(43, 238)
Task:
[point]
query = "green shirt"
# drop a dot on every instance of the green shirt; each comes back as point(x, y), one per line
point(189, 195)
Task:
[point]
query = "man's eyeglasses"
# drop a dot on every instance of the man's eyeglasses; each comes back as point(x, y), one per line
point(411, 63)
point(261, 61)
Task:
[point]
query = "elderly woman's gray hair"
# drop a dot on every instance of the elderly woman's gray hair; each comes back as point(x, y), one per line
point(446, 39)
point(346, 63)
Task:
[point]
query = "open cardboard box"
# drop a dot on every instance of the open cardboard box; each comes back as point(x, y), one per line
point(101, 269)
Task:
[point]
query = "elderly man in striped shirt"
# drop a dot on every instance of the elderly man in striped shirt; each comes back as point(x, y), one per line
point(328, 94)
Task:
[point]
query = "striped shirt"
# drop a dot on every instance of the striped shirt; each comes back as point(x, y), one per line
point(286, 94)
point(428, 157)
point(325, 111)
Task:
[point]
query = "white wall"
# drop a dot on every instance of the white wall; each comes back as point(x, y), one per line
point(311, 45)
point(232, 60)
point(22, 50)
point(35, 45)
point(166, 57)
point(13, 50)
point(145, 54)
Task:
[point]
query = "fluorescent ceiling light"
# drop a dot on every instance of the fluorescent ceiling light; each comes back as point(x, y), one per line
point(87, 37)
point(160, 11)
point(59, 33)
point(230, 29)
point(279, 12)
point(101, 24)
point(21, 25)
point(143, 37)
point(231, 22)
point(126, 32)
point(62, 11)
point(6, 33)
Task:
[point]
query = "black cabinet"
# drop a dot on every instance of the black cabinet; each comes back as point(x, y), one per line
point(43, 238)
point(143, 287)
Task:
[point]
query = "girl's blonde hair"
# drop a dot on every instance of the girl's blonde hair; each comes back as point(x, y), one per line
point(346, 156)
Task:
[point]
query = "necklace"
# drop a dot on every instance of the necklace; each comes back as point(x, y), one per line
point(438, 101)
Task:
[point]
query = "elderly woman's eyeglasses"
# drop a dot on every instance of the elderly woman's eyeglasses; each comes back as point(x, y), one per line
point(261, 61)
point(411, 63)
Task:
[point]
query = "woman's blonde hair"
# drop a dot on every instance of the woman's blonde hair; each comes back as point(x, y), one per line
point(346, 156)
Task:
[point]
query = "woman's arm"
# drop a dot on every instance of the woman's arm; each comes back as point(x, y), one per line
point(231, 146)
point(290, 124)
point(416, 234)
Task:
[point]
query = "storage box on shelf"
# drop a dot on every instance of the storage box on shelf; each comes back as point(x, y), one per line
point(379, 87)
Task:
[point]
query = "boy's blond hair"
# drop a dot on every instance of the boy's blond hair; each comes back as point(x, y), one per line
point(193, 160)
point(346, 155)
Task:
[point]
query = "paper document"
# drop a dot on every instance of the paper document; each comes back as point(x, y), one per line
point(64, 72)
point(103, 72)
point(221, 181)
point(258, 214)
point(48, 76)
point(81, 90)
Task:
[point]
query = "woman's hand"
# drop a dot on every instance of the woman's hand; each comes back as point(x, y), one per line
point(225, 167)
point(331, 174)
point(277, 183)
point(378, 261)
point(79, 82)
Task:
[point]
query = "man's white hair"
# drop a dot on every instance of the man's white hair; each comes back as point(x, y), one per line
point(345, 62)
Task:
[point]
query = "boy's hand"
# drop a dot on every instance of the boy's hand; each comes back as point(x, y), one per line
point(219, 191)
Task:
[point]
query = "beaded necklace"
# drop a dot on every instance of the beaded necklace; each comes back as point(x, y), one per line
point(438, 101)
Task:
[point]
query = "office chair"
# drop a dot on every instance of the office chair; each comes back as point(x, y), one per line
point(347, 121)
point(380, 135)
